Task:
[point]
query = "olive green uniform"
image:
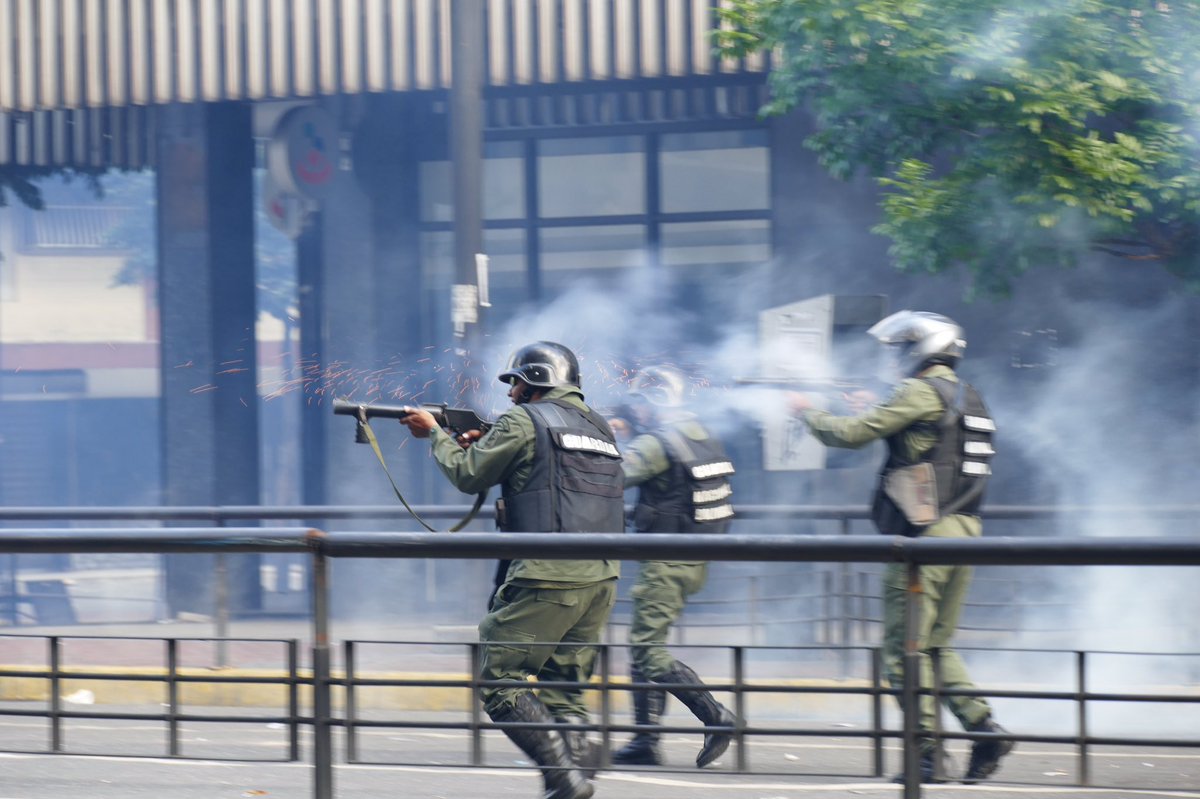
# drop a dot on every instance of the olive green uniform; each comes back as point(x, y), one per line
point(943, 588)
point(548, 613)
point(662, 587)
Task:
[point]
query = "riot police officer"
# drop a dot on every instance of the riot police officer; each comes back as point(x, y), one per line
point(933, 424)
point(682, 473)
point(560, 471)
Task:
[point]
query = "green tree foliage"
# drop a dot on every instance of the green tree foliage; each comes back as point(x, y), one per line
point(1007, 134)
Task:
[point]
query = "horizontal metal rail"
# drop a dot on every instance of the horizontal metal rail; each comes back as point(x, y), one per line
point(216, 513)
point(822, 548)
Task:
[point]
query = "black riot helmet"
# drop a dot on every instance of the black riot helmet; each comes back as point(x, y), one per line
point(663, 386)
point(542, 364)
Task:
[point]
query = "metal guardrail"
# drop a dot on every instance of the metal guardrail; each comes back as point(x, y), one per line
point(839, 549)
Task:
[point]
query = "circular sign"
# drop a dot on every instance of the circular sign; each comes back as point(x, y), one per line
point(302, 154)
point(284, 210)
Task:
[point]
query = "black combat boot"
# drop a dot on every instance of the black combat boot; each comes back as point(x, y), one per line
point(929, 775)
point(986, 753)
point(704, 707)
point(583, 750)
point(648, 705)
point(560, 777)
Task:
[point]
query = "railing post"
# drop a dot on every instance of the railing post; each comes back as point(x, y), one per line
point(55, 657)
point(739, 708)
point(322, 707)
point(1085, 776)
point(845, 611)
point(935, 656)
point(293, 699)
point(221, 597)
point(877, 710)
point(912, 682)
point(173, 697)
point(350, 711)
point(605, 705)
point(476, 658)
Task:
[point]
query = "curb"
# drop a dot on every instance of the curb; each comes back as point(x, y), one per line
point(143, 686)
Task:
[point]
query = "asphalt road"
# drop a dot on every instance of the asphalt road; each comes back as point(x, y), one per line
point(808, 768)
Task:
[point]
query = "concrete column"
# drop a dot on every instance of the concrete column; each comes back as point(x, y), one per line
point(208, 348)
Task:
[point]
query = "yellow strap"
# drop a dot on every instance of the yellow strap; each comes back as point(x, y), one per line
point(379, 454)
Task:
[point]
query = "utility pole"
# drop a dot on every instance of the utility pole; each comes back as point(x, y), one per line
point(466, 160)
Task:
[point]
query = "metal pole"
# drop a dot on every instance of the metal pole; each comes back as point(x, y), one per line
point(322, 732)
point(739, 705)
point(912, 665)
point(844, 606)
point(605, 705)
point(476, 658)
point(877, 710)
point(935, 656)
point(173, 697)
point(1080, 697)
point(466, 161)
point(350, 711)
point(221, 616)
point(55, 653)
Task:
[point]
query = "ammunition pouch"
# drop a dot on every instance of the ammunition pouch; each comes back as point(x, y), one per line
point(914, 491)
point(906, 501)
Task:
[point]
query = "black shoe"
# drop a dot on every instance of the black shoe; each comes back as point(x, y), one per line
point(928, 772)
point(986, 754)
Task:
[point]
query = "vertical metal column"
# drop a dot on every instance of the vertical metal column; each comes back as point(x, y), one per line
point(912, 682)
point(845, 610)
point(173, 697)
point(55, 657)
point(466, 152)
point(605, 704)
point(322, 706)
point(351, 707)
point(739, 708)
point(1081, 700)
point(877, 711)
point(476, 658)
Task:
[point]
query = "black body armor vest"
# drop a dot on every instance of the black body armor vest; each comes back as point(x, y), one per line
point(697, 496)
point(576, 485)
point(960, 458)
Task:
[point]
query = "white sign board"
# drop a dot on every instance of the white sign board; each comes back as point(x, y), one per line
point(794, 343)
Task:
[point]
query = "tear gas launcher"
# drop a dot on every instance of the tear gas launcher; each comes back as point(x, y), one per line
point(456, 421)
point(453, 420)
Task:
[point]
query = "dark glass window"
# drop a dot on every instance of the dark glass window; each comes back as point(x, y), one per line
point(592, 177)
point(715, 171)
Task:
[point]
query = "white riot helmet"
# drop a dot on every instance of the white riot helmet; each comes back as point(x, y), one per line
point(662, 386)
point(920, 339)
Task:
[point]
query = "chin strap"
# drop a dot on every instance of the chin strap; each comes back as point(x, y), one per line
point(370, 436)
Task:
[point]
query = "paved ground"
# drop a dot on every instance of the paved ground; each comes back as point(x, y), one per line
point(438, 766)
point(125, 758)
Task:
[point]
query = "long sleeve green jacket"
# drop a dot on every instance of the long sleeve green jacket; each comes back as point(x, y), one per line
point(504, 456)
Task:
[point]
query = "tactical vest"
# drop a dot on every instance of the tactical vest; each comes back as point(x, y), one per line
point(576, 484)
point(960, 458)
point(697, 494)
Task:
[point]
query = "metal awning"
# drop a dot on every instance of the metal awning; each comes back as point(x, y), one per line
point(75, 54)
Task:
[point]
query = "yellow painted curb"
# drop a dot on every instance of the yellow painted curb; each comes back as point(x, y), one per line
point(413, 698)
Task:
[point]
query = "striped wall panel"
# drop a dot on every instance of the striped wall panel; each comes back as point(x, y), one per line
point(67, 54)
